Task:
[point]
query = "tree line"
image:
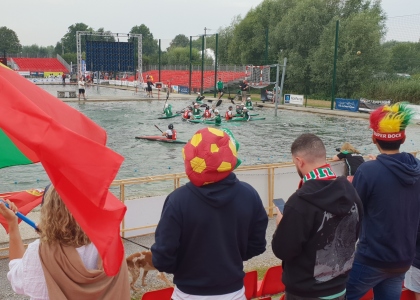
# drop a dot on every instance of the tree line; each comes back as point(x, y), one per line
point(301, 30)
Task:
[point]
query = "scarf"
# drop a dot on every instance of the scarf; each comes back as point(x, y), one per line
point(67, 277)
point(321, 173)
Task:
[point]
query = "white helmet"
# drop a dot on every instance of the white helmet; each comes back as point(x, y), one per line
point(242, 104)
point(249, 98)
point(216, 112)
point(196, 104)
point(166, 105)
point(198, 93)
point(245, 108)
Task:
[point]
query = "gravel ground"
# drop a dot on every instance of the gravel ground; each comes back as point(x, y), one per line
point(262, 261)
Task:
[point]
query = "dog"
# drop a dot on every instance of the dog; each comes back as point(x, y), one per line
point(142, 260)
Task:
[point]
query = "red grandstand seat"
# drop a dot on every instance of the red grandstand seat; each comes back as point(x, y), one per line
point(283, 297)
point(271, 283)
point(250, 284)
point(407, 295)
point(368, 295)
point(163, 294)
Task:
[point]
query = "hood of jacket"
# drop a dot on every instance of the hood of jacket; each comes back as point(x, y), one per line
point(404, 165)
point(216, 194)
point(335, 196)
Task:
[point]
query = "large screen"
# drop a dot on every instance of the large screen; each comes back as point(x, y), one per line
point(109, 56)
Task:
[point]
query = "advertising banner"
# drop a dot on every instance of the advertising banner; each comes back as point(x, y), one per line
point(183, 89)
point(347, 104)
point(293, 99)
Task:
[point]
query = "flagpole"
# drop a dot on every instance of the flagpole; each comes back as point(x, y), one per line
point(23, 217)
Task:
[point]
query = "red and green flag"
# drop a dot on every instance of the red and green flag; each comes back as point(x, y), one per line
point(37, 127)
point(24, 200)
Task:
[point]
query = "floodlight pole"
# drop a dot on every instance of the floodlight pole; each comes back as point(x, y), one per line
point(281, 84)
point(335, 65)
point(159, 60)
point(276, 100)
point(202, 65)
point(215, 64)
point(190, 75)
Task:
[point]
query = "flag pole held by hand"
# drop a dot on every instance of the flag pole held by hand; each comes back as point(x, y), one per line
point(22, 217)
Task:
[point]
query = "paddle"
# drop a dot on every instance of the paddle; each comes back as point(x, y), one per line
point(159, 129)
point(219, 102)
point(203, 105)
point(167, 96)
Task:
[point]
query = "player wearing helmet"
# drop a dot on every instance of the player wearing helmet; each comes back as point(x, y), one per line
point(245, 114)
point(207, 113)
point(188, 113)
point(168, 110)
point(217, 118)
point(170, 133)
point(248, 103)
point(229, 113)
point(199, 98)
point(196, 110)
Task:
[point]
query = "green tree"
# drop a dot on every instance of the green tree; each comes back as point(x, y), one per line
point(404, 57)
point(69, 39)
point(9, 41)
point(181, 56)
point(38, 51)
point(150, 45)
point(179, 41)
point(361, 31)
point(226, 35)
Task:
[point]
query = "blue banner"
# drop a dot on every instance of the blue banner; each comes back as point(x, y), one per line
point(183, 89)
point(347, 104)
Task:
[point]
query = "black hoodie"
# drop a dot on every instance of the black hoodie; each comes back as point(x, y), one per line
point(317, 236)
point(205, 233)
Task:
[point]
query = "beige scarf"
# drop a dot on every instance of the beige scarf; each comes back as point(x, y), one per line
point(67, 277)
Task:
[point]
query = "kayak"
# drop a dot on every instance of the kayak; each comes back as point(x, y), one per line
point(252, 115)
point(244, 120)
point(160, 138)
point(173, 116)
point(203, 121)
point(196, 118)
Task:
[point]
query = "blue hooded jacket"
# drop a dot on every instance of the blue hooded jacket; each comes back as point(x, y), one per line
point(389, 188)
point(205, 233)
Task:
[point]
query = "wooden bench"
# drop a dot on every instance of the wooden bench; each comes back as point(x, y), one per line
point(66, 94)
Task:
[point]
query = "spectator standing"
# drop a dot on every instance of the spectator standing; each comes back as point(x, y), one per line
point(63, 77)
point(81, 84)
point(210, 225)
point(220, 87)
point(62, 263)
point(351, 157)
point(244, 90)
point(389, 188)
point(316, 236)
point(149, 87)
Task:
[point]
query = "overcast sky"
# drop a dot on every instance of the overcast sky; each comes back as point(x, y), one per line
point(44, 22)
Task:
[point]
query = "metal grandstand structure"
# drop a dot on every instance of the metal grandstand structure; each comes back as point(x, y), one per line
point(79, 35)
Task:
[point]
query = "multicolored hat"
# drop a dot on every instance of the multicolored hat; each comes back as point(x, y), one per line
point(389, 122)
point(210, 156)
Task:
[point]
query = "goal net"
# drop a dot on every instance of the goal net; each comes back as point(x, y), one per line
point(258, 76)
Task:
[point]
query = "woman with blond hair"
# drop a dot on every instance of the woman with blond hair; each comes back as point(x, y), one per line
point(352, 158)
point(62, 263)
